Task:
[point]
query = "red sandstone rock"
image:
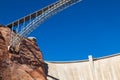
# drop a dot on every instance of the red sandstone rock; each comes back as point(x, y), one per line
point(27, 64)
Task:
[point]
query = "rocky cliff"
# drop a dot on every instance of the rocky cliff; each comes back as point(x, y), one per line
point(26, 64)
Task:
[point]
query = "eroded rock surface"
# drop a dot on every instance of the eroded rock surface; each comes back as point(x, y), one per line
point(26, 64)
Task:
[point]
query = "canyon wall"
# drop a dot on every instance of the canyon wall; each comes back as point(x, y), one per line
point(24, 64)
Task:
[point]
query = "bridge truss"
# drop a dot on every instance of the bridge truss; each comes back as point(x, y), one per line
point(35, 19)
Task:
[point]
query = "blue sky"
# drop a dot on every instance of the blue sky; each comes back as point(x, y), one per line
point(91, 27)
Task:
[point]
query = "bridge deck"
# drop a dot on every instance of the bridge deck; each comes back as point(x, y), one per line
point(30, 16)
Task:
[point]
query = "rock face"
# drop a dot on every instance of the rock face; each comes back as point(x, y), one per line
point(27, 64)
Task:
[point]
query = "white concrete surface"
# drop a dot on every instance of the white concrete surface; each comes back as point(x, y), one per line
point(106, 68)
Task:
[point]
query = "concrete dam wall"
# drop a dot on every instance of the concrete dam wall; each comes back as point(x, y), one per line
point(105, 68)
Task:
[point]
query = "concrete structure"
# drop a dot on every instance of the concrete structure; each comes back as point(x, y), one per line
point(105, 68)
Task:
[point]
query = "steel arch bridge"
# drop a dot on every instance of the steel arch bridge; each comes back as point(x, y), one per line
point(35, 19)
